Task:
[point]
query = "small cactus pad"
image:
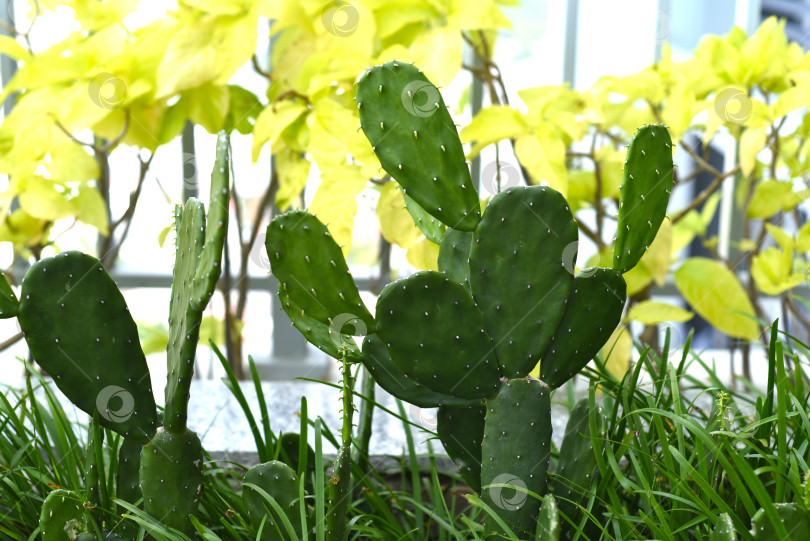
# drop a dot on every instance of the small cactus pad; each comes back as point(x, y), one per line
point(172, 478)
point(432, 228)
point(62, 516)
point(414, 137)
point(8, 300)
point(645, 191)
point(516, 450)
point(592, 312)
point(454, 255)
point(461, 431)
point(548, 525)
point(197, 268)
point(794, 519)
point(129, 464)
point(78, 328)
point(309, 263)
point(577, 465)
point(280, 482)
point(724, 529)
point(324, 337)
point(396, 382)
point(435, 334)
point(518, 275)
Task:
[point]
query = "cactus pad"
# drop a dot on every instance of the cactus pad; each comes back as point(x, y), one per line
point(310, 265)
point(280, 482)
point(794, 519)
point(396, 382)
point(62, 516)
point(8, 300)
point(321, 335)
point(432, 228)
point(724, 529)
point(172, 478)
point(129, 463)
point(548, 525)
point(517, 274)
point(78, 328)
point(648, 179)
point(461, 431)
point(592, 312)
point(414, 137)
point(454, 255)
point(435, 334)
point(196, 271)
point(516, 449)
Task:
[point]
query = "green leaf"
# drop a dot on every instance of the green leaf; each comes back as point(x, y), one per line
point(243, 110)
point(653, 312)
point(717, 295)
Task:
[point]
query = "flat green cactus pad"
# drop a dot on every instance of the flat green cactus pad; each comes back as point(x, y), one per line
point(461, 431)
point(171, 477)
point(310, 265)
point(517, 272)
point(62, 516)
point(724, 529)
point(454, 255)
point(432, 228)
point(548, 525)
point(391, 378)
point(516, 451)
point(327, 338)
point(647, 185)
point(78, 328)
point(414, 137)
point(435, 334)
point(279, 481)
point(794, 520)
point(592, 312)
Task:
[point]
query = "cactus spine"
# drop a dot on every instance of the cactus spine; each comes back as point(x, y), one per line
point(466, 337)
point(78, 328)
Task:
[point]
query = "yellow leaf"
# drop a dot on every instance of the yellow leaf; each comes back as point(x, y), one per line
point(693, 224)
point(751, 143)
point(653, 312)
point(164, 233)
point(679, 111)
point(206, 49)
point(491, 125)
point(293, 173)
point(41, 199)
point(91, 209)
point(208, 106)
point(654, 264)
point(437, 53)
point(423, 255)
point(477, 15)
point(783, 238)
point(12, 48)
point(544, 158)
point(617, 350)
point(396, 223)
point(70, 162)
point(771, 196)
point(792, 99)
point(717, 295)
point(335, 202)
point(803, 238)
point(220, 7)
point(272, 121)
point(772, 271)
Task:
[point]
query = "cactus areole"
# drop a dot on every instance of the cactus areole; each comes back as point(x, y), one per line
point(505, 298)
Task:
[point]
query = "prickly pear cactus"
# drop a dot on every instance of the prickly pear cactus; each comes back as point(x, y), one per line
point(427, 320)
point(197, 268)
point(517, 273)
point(310, 266)
point(171, 475)
point(414, 137)
point(78, 328)
point(279, 481)
point(461, 430)
point(548, 525)
point(794, 520)
point(62, 516)
point(645, 191)
point(724, 529)
point(505, 297)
